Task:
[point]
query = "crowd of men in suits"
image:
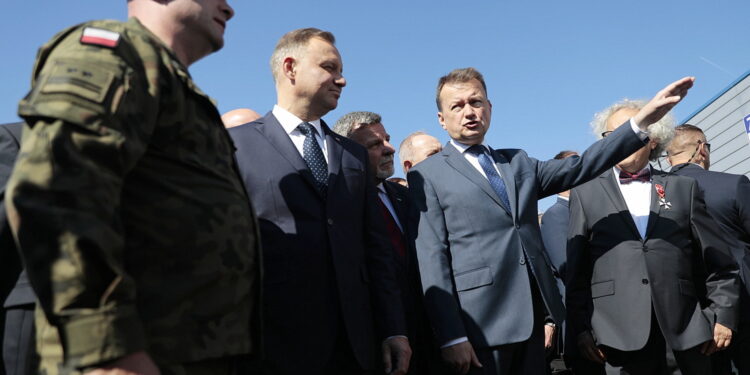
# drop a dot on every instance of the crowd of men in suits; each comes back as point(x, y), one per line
point(359, 275)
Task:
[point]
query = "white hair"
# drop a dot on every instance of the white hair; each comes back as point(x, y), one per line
point(661, 131)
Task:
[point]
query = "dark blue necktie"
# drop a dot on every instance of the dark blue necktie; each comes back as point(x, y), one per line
point(313, 156)
point(492, 176)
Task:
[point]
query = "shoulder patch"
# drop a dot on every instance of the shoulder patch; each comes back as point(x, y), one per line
point(88, 81)
point(100, 37)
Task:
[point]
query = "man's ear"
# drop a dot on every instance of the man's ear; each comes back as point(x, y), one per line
point(288, 67)
point(652, 144)
point(407, 165)
point(441, 120)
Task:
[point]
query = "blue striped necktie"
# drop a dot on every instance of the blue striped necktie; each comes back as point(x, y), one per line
point(492, 176)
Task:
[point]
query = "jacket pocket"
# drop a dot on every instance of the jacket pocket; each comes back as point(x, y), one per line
point(473, 279)
point(603, 288)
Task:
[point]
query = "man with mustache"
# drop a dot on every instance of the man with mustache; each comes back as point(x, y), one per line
point(366, 128)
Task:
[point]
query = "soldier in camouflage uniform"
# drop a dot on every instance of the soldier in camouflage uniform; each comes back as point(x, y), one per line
point(136, 231)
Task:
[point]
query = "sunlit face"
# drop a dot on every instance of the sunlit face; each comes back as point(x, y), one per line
point(423, 146)
point(465, 111)
point(639, 159)
point(318, 76)
point(379, 149)
point(205, 19)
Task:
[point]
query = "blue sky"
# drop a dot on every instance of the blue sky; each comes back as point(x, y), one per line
point(549, 65)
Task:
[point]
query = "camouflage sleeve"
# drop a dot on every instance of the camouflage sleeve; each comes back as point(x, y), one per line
point(88, 123)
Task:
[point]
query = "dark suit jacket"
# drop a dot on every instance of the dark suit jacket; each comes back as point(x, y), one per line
point(408, 274)
point(615, 277)
point(728, 201)
point(425, 356)
point(554, 229)
point(329, 271)
point(10, 136)
point(473, 252)
point(15, 290)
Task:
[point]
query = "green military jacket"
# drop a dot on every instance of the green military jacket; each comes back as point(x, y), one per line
point(134, 226)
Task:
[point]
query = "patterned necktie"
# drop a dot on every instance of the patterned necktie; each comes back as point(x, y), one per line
point(492, 176)
point(644, 175)
point(313, 156)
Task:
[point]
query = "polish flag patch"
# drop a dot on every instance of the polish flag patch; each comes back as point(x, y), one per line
point(100, 37)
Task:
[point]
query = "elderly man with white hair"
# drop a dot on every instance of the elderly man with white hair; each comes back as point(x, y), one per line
point(647, 266)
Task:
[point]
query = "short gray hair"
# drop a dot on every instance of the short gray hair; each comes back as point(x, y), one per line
point(293, 44)
point(352, 121)
point(661, 131)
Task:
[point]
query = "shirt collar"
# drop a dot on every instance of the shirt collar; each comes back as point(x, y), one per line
point(290, 122)
point(381, 188)
point(461, 147)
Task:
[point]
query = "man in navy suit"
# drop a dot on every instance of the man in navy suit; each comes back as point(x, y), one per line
point(488, 283)
point(19, 352)
point(367, 129)
point(728, 201)
point(330, 290)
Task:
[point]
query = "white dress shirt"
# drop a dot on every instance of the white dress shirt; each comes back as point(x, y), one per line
point(387, 202)
point(290, 123)
point(637, 196)
point(472, 158)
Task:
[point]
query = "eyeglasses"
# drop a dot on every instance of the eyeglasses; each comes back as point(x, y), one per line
point(605, 134)
point(706, 145)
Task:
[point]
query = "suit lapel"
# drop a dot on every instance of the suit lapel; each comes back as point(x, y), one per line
point(335, 150)
point(456, 160)
point(508, 178)
point(397, 201)
point(274, 132)
point(655, 208)
point(612, 190)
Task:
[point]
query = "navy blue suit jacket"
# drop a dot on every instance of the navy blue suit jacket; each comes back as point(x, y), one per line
point(728, 201)
point(554, 229)
point(16, 290)
point(328, 268)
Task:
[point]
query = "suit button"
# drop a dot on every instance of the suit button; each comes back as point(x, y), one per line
point(645, 249)
point(644, 281)
point(518, 226)
point(330, 221)
point(523, 261)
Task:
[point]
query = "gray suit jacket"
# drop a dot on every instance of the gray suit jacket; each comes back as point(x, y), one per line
point(615, 277)
point(472, 252)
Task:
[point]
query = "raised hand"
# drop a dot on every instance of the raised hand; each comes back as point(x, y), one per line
point(663, 102)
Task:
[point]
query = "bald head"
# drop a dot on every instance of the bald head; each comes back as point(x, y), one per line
point(416, 147)
point(239, 116)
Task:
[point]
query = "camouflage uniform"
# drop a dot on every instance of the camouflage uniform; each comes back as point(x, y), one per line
point(134, 226)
